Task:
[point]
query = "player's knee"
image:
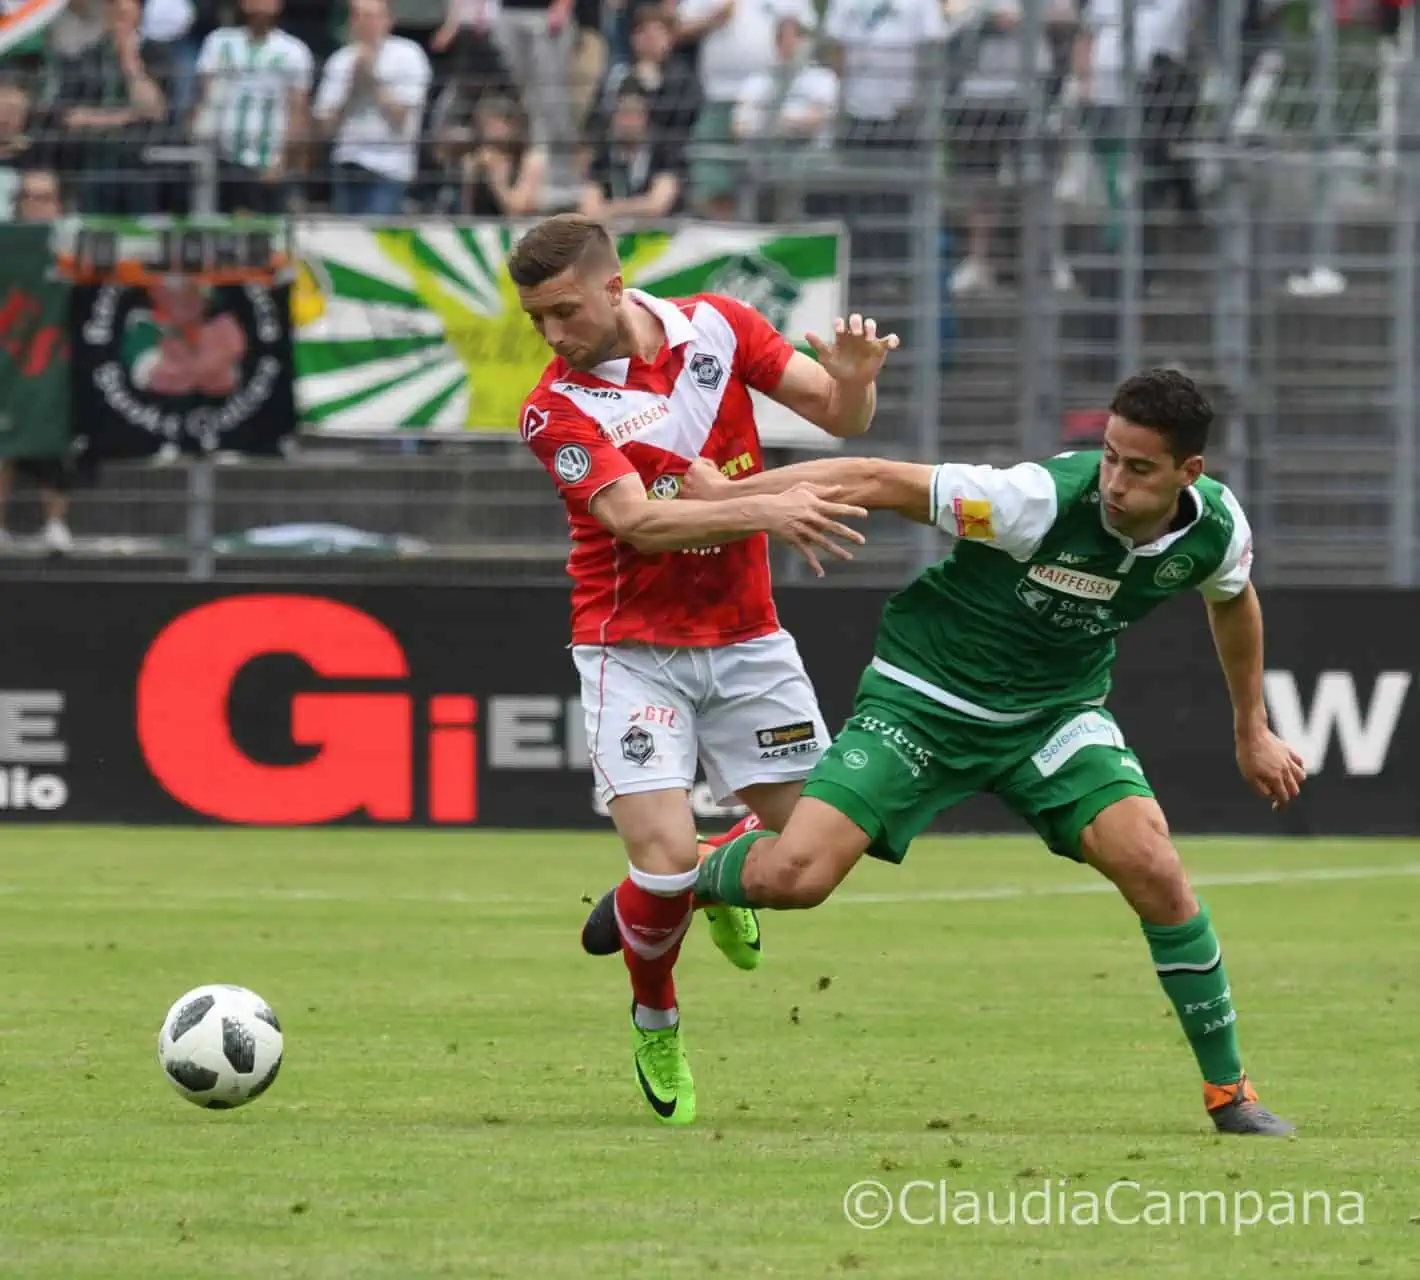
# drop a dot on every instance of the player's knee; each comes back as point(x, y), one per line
point(1130, 844)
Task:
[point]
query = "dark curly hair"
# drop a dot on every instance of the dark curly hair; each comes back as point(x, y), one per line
point(1168, 402)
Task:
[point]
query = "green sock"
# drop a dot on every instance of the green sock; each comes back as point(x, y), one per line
point(1189, 963)
point(723, 869)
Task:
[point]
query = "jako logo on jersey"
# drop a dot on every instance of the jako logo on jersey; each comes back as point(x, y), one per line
point(1087, 586)
point(973, 518)
point(707, 370)
point(1174, 570)
point(572, 463)
point(633, 424)
point(360, 746)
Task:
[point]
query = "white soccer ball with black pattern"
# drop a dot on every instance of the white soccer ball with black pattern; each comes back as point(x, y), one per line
point(220, 1046)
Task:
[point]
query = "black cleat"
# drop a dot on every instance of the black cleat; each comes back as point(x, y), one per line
point(1234, 1108)
point(600, 936)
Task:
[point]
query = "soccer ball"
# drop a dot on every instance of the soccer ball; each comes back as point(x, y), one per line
point(220, 1046)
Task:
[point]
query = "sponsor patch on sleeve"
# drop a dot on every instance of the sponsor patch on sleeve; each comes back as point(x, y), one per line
point(973, 518)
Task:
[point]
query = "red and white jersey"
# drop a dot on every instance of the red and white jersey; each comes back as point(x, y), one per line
point(652, 420)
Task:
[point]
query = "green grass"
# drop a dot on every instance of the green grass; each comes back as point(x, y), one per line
point(457, 1097)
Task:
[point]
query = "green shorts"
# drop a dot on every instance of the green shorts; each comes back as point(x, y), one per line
point(902, 759)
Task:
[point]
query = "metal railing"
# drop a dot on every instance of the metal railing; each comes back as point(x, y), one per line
point(1291, 297)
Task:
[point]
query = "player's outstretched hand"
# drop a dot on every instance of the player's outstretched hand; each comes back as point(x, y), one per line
point(857, 352)
point(704, 482)
point(1271, 767)
point(811, 523)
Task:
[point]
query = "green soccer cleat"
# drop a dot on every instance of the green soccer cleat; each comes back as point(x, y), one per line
point(735, 930)
point(663, 1073)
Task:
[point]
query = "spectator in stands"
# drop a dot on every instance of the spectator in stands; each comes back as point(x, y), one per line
point(736, 40)
point(590, 58)
point(471, 58)
point(39, 201)
point(254, 103)
point(537, 38)
point(671, 86)
point(1169, 93)
point(883, 53)
point(795, 103)
point(109, 101)
point(371, 100)
point(168, 25)
point(986, 121)
point(493, 170)
point(634, 174)
point(17, 148)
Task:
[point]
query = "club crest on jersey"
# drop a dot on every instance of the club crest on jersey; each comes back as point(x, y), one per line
point(1173, 571)
point(572, 463)
point(637, 745)
point(707, 370)
point(1073, 582)
point(665, 488)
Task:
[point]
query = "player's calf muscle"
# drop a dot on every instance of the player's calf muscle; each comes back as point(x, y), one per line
point(781, 876)
point(1129, 844)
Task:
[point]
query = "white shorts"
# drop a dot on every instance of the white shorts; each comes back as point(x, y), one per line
point(747, 712)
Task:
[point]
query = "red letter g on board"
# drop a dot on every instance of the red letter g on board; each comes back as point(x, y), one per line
point(364, 739)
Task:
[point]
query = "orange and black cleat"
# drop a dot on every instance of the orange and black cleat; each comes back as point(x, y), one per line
point(1235, 1109)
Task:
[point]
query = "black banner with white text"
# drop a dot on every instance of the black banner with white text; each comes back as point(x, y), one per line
point(447, 706)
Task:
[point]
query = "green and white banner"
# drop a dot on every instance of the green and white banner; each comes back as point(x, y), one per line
point(417, 326)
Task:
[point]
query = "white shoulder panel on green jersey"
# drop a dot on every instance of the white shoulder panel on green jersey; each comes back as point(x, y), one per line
point(1234, 571)
point(1009, 508)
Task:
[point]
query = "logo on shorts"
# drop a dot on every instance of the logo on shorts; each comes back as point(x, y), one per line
point(1090, 729)
point(787, 740)
point(855, 759)
point(706, 370)
point(572, 463)
point(1174, 571)
point(665, 487)
point(637, 745)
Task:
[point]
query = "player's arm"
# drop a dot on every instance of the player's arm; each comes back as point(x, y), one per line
point(1270, 767)
point(593, 473)
point(837, 393)
point(1008, 508)
point(877, 484)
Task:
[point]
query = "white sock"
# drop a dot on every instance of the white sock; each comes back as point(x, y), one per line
point(655, 1019)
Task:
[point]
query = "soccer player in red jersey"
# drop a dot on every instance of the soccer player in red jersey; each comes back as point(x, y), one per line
point(674, 631)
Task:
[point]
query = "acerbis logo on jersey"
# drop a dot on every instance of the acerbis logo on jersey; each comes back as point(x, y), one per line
point(787, 740)
point(707, 370)
point(572, 463)
point(596, 393)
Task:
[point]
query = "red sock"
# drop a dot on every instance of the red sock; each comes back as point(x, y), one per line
point(748, 823)
point(652, 928)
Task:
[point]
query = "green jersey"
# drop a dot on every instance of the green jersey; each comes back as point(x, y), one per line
point(1020, 619)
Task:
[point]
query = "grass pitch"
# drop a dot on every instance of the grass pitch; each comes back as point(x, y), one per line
point(457, 1096)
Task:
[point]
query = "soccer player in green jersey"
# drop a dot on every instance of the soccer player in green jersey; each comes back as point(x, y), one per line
point(991, 671)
